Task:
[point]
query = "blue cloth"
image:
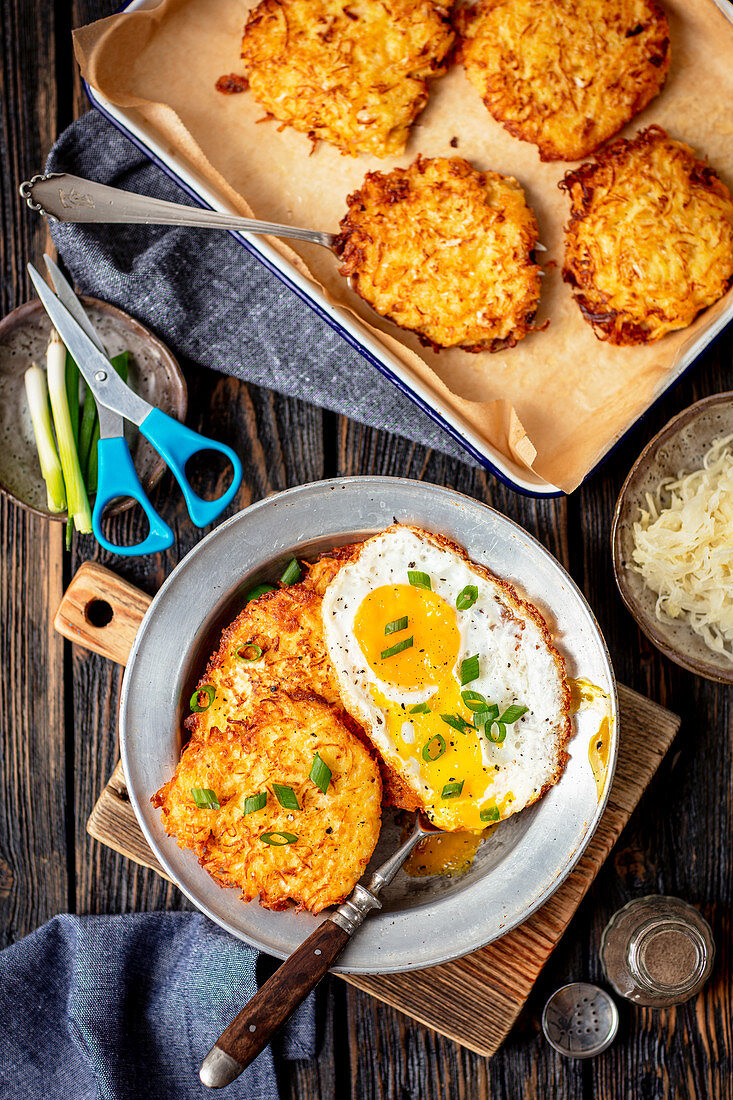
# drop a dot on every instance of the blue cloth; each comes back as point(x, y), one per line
point(213, 302)
point(124, 1007)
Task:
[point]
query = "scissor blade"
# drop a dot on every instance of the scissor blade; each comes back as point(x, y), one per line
point(101, 377)
point(68, 298)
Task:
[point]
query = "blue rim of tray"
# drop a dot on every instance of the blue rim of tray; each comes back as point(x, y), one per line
point(483, 461)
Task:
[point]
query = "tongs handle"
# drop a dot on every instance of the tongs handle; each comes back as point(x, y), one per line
point(73, 199)
point(273, 1005)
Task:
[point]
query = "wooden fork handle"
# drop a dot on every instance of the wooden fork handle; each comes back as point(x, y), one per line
point(272, 1006)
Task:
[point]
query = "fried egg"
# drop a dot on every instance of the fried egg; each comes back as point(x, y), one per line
point(453, 676)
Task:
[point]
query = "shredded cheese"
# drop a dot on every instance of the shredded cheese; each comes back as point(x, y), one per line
point(683, 548)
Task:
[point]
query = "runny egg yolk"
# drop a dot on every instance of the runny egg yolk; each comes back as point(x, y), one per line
point(444, 756)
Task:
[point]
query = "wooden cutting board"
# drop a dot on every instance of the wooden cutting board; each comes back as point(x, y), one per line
point(476, 999)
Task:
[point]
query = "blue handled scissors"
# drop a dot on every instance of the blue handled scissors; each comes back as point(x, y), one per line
point(116, 402)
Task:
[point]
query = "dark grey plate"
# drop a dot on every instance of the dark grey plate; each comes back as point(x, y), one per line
point(424, 921)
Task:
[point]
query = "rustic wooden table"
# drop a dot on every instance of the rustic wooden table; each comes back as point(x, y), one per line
point(57, 731)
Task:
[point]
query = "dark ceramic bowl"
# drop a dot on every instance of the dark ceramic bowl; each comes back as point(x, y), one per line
point(154, 374)
point(680, 446)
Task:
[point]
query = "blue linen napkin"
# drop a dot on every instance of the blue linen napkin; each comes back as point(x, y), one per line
point(127, 1006)
point(212, 301)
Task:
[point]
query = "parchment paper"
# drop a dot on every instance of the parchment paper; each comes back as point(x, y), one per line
point(558, 400)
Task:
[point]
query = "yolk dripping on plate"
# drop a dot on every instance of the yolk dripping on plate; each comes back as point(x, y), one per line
point(585, 695)
point(427, 669)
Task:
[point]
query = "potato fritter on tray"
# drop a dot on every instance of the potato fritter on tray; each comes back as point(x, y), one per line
point(565, 74)
point(271, 710)
point(272, 825)
point(446, 251)
point(354, 73)
point(650, 238)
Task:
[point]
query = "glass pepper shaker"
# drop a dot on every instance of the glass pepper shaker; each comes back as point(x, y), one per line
point(657, 951)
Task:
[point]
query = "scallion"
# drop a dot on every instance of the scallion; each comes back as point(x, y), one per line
point(513, 714)
point(196, 704)
point(434, 749)
point(496, 732)
point(286, 796)
point(398, 647)
point(418, 579)
point(320, 773)
point(456, 722)
point(474, 700)
point(420, 708)
point(469, 670)
point(77, 502)
point(254, 802)
point(249, 653)
point(395, 625)
point(481, 717)
point(257, 591)
point(205, 798)
point(467, 597)
point(452, 790)
point(490, 814)
point(278, 840)
point(291, 574)
point(40, 410)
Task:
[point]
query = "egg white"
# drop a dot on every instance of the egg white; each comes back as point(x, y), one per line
point(517, 665)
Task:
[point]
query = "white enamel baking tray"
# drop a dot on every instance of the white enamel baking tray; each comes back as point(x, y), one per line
point(131, 123)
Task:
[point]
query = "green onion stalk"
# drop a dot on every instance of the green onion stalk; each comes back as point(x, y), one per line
point(37, 393)
point(77, 501)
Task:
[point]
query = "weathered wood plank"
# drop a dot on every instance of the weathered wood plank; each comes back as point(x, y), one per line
point(33, 777)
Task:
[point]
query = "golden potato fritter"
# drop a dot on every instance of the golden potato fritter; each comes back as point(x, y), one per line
point(446, 251)
point(650, 239)
point(565, 74)
point(286, 626)
point(352, 72)
point(313, 855)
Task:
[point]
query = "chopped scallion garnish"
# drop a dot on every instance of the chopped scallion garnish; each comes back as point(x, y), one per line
point(456, 722)
point(469, 670)
point(320, 774)
point(398, 647)
point(434, 749)
point(202, 698)
point(418, 579)
point(257, 591)
point(395, 625)
point(496, 732)
point(286, 796)
point(467, 597)
point(249, 653)
point(205, 798)
point(291, 574)
point(452, 790)
point(254, 802)
point(278, 840)
point(513, 714)
point(420, 708)
point(490, 814)
point(474, 700)
point(481, 717)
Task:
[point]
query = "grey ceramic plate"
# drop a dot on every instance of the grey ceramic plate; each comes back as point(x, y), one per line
point(424, 921)
point(154, 373)
point(680, 446)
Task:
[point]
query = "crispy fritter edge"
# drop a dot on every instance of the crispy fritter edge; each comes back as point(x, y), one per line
point(351, 256)
point(578, 182)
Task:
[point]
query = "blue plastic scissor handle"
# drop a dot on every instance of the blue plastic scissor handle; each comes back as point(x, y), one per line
point(177, 444)
point(117, 477)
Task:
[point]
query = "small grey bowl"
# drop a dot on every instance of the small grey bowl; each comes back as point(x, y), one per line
point(679, 447)
point(154, 374)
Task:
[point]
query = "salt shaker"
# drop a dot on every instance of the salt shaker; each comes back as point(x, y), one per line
point(657, 951)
